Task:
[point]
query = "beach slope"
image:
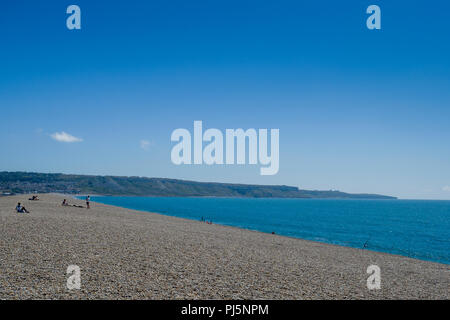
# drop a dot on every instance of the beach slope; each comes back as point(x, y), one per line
point(126, 254)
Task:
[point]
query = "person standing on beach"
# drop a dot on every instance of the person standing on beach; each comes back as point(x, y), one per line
point(88, 198)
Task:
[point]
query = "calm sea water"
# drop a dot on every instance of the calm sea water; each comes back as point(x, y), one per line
point(414, 228)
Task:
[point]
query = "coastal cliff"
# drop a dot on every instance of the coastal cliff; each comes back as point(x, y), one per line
point(25, 182)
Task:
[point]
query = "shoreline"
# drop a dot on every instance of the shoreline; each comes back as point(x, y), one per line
point(143, 255)
point(268, 232)
point(229, 197)
point(235, 197)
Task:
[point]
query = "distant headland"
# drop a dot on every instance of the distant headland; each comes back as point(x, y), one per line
point(30, 182)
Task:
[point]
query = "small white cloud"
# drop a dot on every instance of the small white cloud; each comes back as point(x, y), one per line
point(446, 188)
point(64, 137)
point(145, 144)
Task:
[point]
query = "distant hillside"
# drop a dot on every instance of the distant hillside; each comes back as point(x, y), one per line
point(25, 182)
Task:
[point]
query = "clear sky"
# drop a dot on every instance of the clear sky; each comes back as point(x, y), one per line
point(358, 110)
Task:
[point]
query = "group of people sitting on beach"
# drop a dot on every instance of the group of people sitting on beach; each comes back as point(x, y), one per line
point(66, 204)
point(205, 221)
point(22, 209)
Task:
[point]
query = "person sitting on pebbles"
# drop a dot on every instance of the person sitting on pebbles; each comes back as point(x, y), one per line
point(21, 209)
point(65, 203)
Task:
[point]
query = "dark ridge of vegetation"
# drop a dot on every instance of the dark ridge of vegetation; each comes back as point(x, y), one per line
point(28, 182)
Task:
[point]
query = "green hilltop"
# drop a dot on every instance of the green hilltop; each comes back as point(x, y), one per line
point(27, 182)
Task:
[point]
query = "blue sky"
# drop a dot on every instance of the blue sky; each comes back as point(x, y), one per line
point(358, 110)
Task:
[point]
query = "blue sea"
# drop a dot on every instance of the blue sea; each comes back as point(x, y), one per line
point(414, 228)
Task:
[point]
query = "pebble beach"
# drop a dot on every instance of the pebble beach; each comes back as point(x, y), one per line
point(127, 254)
